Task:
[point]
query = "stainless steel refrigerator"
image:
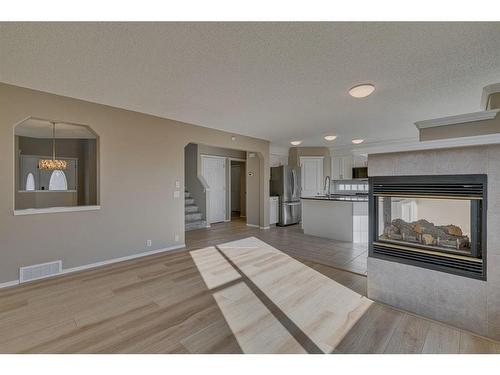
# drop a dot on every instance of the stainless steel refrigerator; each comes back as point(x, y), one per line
point(285, 183)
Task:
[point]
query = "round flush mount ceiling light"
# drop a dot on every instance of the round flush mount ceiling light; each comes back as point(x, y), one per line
point(296, 143)
point(330, 137)
point(362, 90)
point(357, 141)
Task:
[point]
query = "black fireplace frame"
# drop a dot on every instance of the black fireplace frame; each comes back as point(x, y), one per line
point(467, 186)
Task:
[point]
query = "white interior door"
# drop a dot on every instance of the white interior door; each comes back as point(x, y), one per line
point(214, 172)
point(311, 175)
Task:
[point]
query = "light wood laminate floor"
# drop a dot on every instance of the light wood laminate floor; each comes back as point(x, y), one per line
point(169, 303)
point(291, 240)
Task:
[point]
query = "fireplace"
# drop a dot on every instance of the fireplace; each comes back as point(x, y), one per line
point(436, 222)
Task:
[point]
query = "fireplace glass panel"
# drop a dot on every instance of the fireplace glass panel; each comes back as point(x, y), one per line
point(435, 224)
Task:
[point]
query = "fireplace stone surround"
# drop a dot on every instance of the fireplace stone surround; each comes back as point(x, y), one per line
point(468, 303)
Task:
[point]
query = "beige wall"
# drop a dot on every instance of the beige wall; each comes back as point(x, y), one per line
point(296, 152)
point(141, 158)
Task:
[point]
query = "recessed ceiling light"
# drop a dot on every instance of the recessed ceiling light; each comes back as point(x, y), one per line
point(233, 138)
point(361, 91)
point(357, 141)
point(330, 137)
point(296, 143)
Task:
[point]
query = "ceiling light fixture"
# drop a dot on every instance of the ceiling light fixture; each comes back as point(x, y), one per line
point(296, 143)
point(330, 137)
point(357, 141)
point(362, 90)
point(52, 164)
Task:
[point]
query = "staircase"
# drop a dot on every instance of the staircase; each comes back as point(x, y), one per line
point(193, 217)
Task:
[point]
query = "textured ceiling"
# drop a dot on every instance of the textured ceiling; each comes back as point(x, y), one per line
point(278, 81)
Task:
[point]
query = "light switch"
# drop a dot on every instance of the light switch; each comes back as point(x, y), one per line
point(177, 194)
point(177, 184)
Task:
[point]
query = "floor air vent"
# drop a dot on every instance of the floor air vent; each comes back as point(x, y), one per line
point(39, 271)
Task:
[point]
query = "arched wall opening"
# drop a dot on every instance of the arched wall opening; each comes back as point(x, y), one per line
point(247, 165)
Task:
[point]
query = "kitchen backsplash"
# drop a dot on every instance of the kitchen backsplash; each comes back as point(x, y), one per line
point(349, 187)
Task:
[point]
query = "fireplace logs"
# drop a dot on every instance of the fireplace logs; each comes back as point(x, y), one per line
point(426, 233)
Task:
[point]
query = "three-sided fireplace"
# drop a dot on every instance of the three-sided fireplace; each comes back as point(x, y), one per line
point(436, 222)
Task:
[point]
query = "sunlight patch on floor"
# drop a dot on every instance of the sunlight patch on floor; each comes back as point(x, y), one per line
point(309, 303)
point(214, 269)
point(256, 329)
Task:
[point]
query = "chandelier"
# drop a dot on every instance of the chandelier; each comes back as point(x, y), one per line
point(52, 164)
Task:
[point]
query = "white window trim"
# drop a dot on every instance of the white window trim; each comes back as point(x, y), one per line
point(51, 210)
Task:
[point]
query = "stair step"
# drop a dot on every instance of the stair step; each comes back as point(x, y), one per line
point(193, 217)
point(188, 201)
point(191, 209)
point(187, 194)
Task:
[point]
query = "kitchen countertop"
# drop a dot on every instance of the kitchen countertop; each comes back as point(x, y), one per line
point(338, 197)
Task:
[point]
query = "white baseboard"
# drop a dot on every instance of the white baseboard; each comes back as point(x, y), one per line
point(256, 226)
point(9, 283)
point(100, 264)
point(122, 259)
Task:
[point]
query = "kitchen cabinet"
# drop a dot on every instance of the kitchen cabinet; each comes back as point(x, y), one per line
point(342, 166)
point(360, 161)
point(273, 210)
point(341, 220)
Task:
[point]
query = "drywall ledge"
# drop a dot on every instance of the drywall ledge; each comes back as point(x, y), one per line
point(459, 119)
point(51, 210)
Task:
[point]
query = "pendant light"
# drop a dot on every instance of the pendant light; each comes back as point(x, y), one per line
point(52, 164)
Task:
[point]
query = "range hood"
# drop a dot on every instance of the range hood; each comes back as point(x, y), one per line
point(483, 122)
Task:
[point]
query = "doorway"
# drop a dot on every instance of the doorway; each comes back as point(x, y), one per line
point(311, 175)
point(238, 189)
point(214, 172)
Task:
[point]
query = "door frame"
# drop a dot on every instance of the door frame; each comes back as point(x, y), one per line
point(322, 170)
point(204, 156)
point(229, 160)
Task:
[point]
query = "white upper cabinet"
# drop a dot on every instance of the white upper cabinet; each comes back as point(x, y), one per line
point(360, 161)
point(342, 167)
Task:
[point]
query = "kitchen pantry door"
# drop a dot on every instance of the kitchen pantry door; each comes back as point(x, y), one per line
point(311, 175)
point(213, 170)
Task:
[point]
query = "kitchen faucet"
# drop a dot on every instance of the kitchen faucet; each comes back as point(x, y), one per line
point(327, 192)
